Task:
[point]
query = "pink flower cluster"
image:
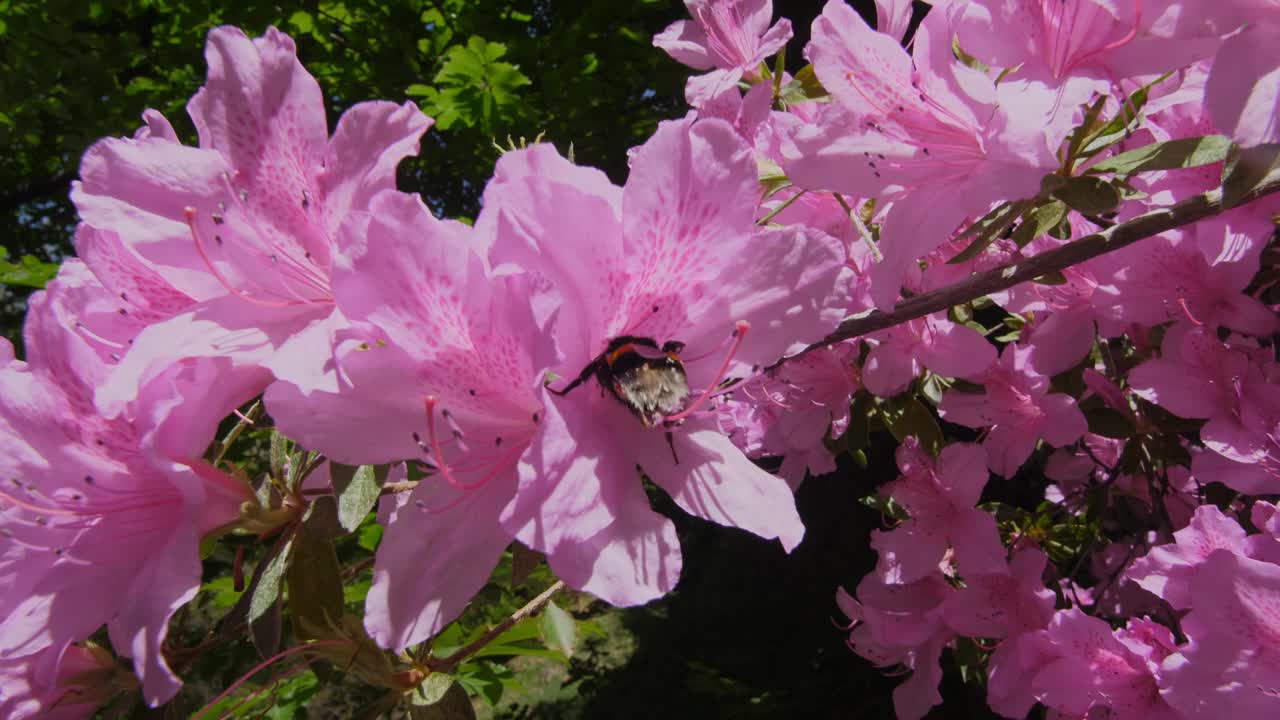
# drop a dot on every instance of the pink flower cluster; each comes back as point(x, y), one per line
point(580, 339)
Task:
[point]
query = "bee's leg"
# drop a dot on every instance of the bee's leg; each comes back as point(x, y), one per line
point(582, 377)
point(671, 443)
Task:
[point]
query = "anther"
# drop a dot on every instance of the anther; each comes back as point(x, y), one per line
point(88, 479)
point(471, 392)
point(244, 195)
point(124, 296)
point(217, 218)
point(123, 311)
point(306, 199)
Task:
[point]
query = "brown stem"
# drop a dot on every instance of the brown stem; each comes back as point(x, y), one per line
point(1191, 210)
point(456, 659)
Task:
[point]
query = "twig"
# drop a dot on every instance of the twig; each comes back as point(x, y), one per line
point(1191, 210)
point(449, 663)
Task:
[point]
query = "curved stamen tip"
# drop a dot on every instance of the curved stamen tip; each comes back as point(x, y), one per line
point(739, 332)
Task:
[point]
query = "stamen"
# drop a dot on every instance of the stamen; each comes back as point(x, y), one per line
point(80, 327)
point(190, 214)
point(436, 452)
point(1182, 302)
point(739, 333)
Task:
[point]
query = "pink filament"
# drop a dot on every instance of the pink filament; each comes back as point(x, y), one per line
point(738, 333)
point(436, 450)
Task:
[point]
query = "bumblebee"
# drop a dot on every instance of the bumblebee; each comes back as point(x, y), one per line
point(648, 379)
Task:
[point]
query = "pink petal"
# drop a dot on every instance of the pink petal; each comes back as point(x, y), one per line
point(258, 93)
point(1243, 90)
point(715, 481)
point(686, 41)
point(370, 141)
point(581, 501)
point(955, 350)
point(437, 552)
point(556, 219)
point(888, 370)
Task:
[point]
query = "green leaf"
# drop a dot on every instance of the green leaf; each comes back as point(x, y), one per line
point(222, 592)
point(1123, 124)
point(27, 272)
point(965, 58)
point(264, 603)
point(523, 562)
point(988, 228)
point(1039, 221)
point(1169, 155)
point(804, 87)
point(1089, 195)
point(886, 506)
point(905, 416)
point(369, 535)
point(451, 704)
point(558, 629)
point(357, 491)
point(1245, 170)
point(279, 453)
point(315, 582)
point(302, 22)
point(432, 690)
point(474, 87)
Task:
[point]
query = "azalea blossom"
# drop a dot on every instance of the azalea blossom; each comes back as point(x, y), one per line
point(1231, 664)
point(1234, 388)
point(668, 276)
point(1004, 603)
point(939, 499)
point(1019, 410)
point(245, 225)
point(789, 412)
point(896, 623)
point(945, 348)
point(1169, 571)
point(66, 682)
point(931, 135)
point(731, 36)
point(440, 366)
point(103, 518)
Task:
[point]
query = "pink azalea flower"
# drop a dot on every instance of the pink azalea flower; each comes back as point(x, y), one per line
point(1167, 278)
point(1001, 604)
point(1019, 410)
point(902, 352)
point(731, 36)
point(59, 683)
point(245, 225)
point(441, 364)
point(669, 274)
point(939, 498)
point(1243, 91)
point(790, 411)
point(933, 136)
point(1234, 387)
point(1070, 51)
point(1234, 238)
point(1169, 571)
point(103, 518)
point(901, 624)
point(1078, 665)
point(1231, 666)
